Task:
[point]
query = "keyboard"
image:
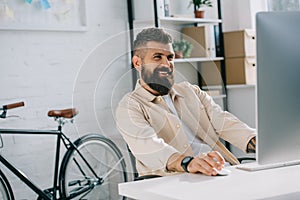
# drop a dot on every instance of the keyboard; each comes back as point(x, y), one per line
point(254, 166)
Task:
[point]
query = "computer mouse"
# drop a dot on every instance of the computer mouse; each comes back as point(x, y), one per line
point(223, 172)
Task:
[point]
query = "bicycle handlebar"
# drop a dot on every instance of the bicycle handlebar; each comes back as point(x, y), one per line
point(13, 105)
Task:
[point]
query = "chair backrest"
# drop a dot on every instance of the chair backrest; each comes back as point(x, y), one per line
point(133, 162)
point(135, 172)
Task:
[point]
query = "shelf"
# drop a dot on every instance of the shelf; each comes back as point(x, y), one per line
point(180, 20)
point(204, 59)
point(186, 20)
point(237, 86)
point(240, 86)
point(219, 96)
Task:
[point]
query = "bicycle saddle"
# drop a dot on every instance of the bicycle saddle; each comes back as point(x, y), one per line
point(66, 113)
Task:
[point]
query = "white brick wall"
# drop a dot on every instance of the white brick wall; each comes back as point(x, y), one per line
point(45, 70)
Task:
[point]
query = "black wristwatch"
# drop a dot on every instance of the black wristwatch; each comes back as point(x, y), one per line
point(185, 162)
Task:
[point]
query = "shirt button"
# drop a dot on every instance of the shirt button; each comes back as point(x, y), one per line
point(178, 126)
point(159, 99)
point(185, 146)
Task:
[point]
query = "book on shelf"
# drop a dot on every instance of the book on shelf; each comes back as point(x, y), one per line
point(160, 8)
point(202, 39)
point(166, 8)
point(183, 16)
point(163, 8)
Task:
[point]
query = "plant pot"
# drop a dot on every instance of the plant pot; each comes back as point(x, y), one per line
point(178, 54)
point(199, 13)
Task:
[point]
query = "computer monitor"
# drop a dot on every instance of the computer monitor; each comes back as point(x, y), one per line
point(278, 86)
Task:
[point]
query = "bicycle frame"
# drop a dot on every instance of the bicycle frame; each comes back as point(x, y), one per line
point(60, 136)
point(20, 174)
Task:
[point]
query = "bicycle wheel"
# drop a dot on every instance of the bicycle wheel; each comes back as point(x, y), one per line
point(5, 189)
point(105, 159)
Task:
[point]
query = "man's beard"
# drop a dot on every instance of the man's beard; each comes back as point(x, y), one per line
point(162, 85)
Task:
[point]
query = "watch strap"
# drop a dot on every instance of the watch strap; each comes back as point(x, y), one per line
point(185, 162)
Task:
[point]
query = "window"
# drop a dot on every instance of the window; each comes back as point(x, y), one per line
point(283, 5)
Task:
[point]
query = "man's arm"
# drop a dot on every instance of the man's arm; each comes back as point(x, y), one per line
point(141, 138)
point(206, 163)
point(228, 126)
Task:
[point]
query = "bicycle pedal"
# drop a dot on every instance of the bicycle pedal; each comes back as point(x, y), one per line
point(72, 183)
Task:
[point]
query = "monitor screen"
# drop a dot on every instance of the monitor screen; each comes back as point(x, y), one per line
point(278, 86)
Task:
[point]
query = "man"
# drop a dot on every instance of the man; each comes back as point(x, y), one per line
point(175, 127)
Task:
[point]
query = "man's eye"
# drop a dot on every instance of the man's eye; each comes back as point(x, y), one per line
point(170, 58)
point(157, 57)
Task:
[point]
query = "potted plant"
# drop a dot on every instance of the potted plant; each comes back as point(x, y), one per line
point(198, 5)
point(182, 48)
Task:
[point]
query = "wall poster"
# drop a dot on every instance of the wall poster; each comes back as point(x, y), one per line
point(48, 15)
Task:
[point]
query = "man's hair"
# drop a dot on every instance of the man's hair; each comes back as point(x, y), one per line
point(151, 34)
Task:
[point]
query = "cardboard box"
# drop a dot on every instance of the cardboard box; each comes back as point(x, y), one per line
point(213, 92)
point(240, 70)
point(203, 40)
point(240, 43)
point(211, 73)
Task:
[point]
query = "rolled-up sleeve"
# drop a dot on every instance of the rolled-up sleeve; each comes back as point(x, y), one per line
point(147, 147)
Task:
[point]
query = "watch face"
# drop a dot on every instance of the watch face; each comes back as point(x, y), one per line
point(185, 162)
point(186, 159)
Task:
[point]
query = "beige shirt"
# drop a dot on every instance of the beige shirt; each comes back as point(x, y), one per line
point(153, 133)
point(198, 146)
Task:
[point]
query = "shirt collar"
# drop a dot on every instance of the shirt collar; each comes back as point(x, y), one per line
point(142, 92)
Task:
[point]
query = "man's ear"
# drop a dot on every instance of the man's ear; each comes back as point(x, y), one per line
point(137, 62)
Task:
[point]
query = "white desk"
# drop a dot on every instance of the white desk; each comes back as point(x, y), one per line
point(275, 184)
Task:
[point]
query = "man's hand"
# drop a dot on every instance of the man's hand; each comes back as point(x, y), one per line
point(251, 147)
point(207, 163)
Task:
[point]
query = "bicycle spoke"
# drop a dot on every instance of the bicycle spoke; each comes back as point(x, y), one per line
point(112, 169)
point(104, 159)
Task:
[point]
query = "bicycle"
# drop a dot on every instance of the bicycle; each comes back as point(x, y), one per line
point(91, 168)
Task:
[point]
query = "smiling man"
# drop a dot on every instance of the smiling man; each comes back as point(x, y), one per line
point(175, 127)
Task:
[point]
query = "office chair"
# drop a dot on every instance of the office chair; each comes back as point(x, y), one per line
point(135, 173)
point(241, 159)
